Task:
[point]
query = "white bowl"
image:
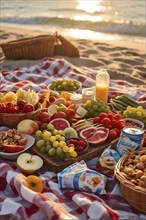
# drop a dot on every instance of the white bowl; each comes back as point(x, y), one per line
point(140, 124)
point(13, 156)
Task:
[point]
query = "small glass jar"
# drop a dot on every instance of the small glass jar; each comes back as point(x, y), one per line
point(76, 99)
point(87, 94)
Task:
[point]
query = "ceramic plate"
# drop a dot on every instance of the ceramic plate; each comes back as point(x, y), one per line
point(13, 156)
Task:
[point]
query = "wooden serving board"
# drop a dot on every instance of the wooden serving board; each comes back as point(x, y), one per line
point(57, 166)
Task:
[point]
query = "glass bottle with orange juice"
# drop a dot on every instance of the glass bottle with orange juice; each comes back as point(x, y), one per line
point(102, 85)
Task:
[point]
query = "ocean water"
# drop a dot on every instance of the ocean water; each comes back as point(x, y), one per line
point(89, 19)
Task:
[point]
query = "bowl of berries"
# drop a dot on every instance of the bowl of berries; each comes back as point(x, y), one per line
point(15, 107)
point(80, 145)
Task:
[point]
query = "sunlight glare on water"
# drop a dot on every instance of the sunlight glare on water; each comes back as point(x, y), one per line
point(89, 6)
point(88, 18)
point(77, 33)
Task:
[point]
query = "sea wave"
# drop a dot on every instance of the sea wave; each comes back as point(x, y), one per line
point(126, 28)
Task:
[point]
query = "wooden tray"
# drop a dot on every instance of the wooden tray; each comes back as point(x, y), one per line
point(57, 166)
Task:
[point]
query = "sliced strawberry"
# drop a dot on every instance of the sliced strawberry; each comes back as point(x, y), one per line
point(12, 148)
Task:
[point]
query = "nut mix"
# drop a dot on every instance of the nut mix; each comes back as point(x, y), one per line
point(12, 137)
point(134, 168)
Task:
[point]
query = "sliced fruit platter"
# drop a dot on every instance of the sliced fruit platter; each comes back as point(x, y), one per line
point(65, 132)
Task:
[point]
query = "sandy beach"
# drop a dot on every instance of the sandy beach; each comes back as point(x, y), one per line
point(122, 60)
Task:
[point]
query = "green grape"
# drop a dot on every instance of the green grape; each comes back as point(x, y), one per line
point(50, 127)
point(38, 134)
point(62, 144)
point(48, 147)
point(55, 131)
point(59, 151)
point(40, 143)
point(58, 136)
point(52, 139)
point(46, 135)
point(74, 154)
point(52, 152)
point(55, 144)
point(95, 107)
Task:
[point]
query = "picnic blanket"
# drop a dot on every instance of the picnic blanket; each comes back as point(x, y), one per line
point(19, 202)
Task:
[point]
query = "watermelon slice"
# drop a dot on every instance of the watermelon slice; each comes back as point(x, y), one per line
point(60, 123)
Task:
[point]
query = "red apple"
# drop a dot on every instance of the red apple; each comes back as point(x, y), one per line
point(28, 108)
point(2, 108)
point(10, 104)
point(10, 109)
point(43, 115)
point(21, 104)
point(59, 115)
point(70, 113)
point(46, 120)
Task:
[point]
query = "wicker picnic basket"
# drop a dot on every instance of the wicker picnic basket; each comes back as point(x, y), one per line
point(135, 195)
point(11, 120)
point(31, 48)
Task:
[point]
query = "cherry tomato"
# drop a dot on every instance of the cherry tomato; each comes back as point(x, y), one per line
point(110, 115)
point(112, 135)
point(117, 117)
point(102, 116)
point(114, 123)
point(96, 120)
point(106, 121)
point(121, 124)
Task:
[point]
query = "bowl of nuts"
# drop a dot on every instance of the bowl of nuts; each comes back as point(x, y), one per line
point(131, 173)
point(13, 143)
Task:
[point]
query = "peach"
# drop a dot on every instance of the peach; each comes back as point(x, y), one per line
point(27, 126)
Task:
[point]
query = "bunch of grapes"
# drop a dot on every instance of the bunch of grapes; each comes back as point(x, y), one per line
point(52, 143)
point(95, 107)
point(138, 113)
point(65, 85)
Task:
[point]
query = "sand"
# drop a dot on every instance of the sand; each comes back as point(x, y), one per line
point(122, 60)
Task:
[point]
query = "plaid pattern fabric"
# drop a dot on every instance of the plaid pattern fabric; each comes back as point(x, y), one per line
point(39, 76)
point(18, 202)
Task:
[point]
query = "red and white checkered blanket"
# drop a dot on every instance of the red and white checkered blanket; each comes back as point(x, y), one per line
point(18, 202)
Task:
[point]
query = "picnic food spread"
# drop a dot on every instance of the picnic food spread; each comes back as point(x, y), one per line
point(72, 126)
